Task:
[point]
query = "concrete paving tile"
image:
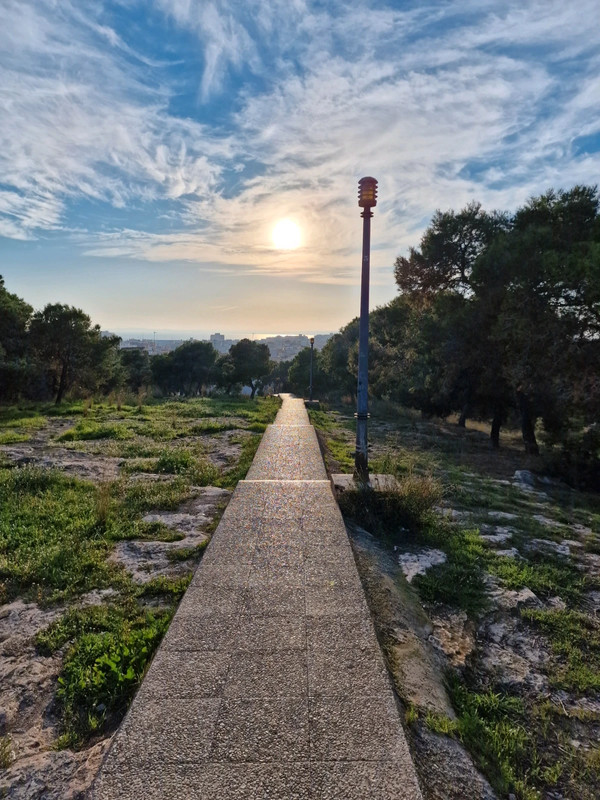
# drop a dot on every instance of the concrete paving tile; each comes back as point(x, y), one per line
point(284, 555)
point(206, 599)
point(184, 734)
point(285, 569)
point(320, 568)
point(262, 600)
point(262, 730)
point(180, 674)
point(355, 728)
point(334, 599)
point(268, 674)
point(221, 574)
point(357, 670)
point(221, 551)
point(207, 781)
point(340, 631)
point(189, 632)
point(379, 780)
point(272, 633)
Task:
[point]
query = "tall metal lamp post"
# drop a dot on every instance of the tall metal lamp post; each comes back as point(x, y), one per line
point(312, 344)
point(367, 199)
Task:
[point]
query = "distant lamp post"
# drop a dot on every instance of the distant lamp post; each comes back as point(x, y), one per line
point(312, 345)
point(367, 199)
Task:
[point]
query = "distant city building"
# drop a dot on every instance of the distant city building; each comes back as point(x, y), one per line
point(220, 343)
point(151, 346)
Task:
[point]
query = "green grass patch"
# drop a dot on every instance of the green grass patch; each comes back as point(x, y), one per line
point(459, 581)
point(51, 542)
point(103, 667)
point(88, 429)
point(237, 473)
point(12, 437)
point(575, 641)
point(545, 574)
point(494, 728)
point(185, 553)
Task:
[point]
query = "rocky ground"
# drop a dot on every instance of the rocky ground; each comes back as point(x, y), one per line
point(534, 640)
point(31, 768)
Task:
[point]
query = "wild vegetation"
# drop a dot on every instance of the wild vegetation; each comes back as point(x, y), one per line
point(513, 597)
point(59, 533)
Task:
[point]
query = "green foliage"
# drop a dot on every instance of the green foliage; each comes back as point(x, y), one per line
point(70, 350)
point(102, 670)
point(238, 472)
point(459, 581)
point(494, 728)
point(6, 753)
point(575, 641)
point(250, 363)
point(87, 429)
point(397, 515)
point(545, 575)
point(49, 542)
point(12, 437)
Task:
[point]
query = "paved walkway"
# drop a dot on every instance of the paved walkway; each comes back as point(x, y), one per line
point(270, 682)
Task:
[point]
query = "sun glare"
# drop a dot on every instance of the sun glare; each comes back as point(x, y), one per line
point(286, 235)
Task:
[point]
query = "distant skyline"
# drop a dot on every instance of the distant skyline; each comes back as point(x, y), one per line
point(149, 148)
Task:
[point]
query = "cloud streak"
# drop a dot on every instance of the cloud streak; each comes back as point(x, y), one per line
point(442, 102)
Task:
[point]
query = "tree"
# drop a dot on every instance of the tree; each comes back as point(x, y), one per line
point(299, 372)
point(14, 319)
point(136, 366)
point(192, 366)
point(251, 362)
point(69, 348)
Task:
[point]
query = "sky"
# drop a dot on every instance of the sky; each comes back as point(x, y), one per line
point(148, 148)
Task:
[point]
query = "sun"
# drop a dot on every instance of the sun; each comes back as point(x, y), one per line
point(286, 235)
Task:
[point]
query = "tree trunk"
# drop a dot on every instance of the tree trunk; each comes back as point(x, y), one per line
point(527, 425)
point(462, 420)
point(253, 387)
point(495, 431)
point(62, 385)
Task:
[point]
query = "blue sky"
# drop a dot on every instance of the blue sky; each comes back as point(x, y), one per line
point(149, 147)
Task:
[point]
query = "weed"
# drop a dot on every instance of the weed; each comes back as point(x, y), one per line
point(6, 753)
point(440, 723)
point(49, 543)
point(101, 672)
point(171, 588)
point(394, 514)
point(178, 554)
point(237, 473)
point(87, 429)
point(575, 641)
point(545, 576)
point(11, 437)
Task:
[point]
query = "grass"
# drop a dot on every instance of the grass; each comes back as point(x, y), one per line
point(103, 666)
point(12, 437)
point(51, 547)
point(6, 753)
point(575, 641)
point(57, 531)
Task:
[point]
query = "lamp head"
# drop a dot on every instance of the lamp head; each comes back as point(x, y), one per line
point(312, 340)
point(367, 192)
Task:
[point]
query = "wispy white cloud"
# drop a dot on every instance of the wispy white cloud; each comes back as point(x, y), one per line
point(443, 103)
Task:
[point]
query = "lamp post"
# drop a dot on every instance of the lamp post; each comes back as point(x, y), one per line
point(312, 344)
point(367, 199)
